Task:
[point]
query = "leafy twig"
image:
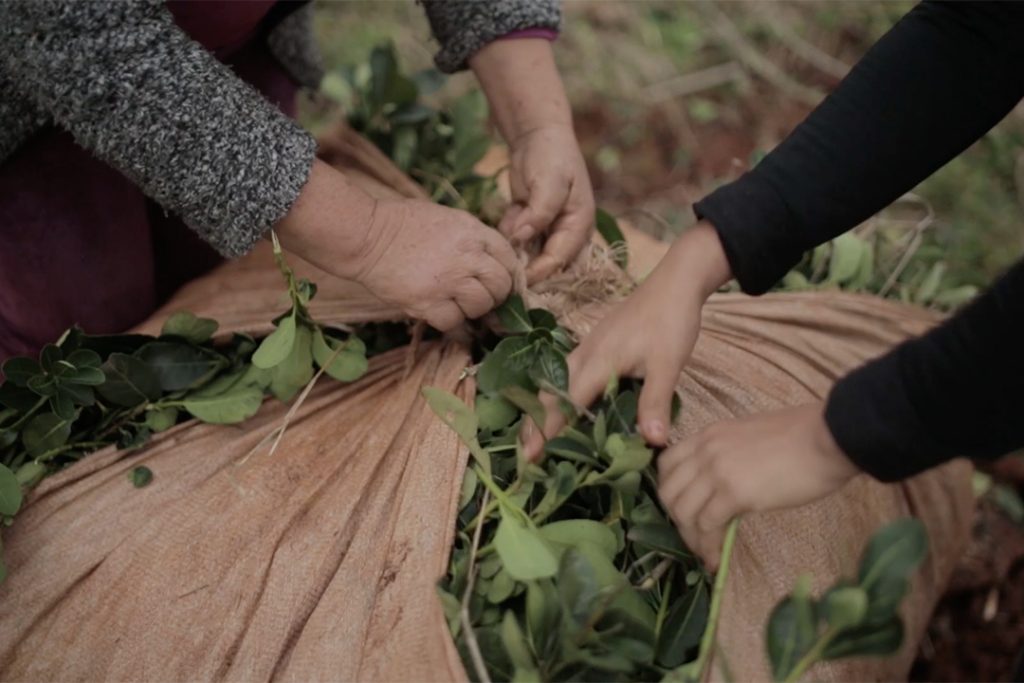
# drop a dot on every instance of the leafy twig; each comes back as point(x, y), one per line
point(467, 625)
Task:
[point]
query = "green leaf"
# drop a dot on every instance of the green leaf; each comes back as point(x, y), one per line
point(844, 606)
point(292, 374)
point(178, 366)
point(188, 326)
point(683, 627)
point(19, 370)
point(129, 381)
point(278, 346)
point(873, 639)
point(231, 407)
point(161, 419)
point(84, 358)
point(45, 433)
point(847, 252)
point(403, 146)
point(514, 316)
point(31, 473)
point(10, 492)
point(791, 633)
point(494, 413)
point(348, 365)
point(501, 588)
point(930, 286)
point(570, 533)
point(460, 419)
point(17, 398)
point(661, 537)
point(50, 356)
point(43, 385)
point(515, 643)
point(543, 614)
point(140, 476)
point(578, 587)
point(467, 154)
point(627, 453)
point(571, 449)
point(85, 375)
point(497, 372)
point(62, 405)
point(558, 487)
point(527, 402)
point(609, 230)
point(452, 411)
point(956, 296)
point(523, 551)
point(890, 558)
point(550, 367)
point(542, 319)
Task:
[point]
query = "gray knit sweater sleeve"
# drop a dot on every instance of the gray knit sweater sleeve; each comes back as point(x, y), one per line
point(464, 26)
point(132, 88)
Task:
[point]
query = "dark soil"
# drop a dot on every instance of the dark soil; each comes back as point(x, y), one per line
point(977, 631)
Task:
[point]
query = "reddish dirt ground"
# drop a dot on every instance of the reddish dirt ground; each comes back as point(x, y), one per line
point(977, 631)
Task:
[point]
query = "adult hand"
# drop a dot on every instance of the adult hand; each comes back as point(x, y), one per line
point(763, 462)
point(651, 335)
point(551, 192)
point(437, 264)
point(551, 197)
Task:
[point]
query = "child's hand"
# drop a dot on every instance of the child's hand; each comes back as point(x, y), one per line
point(651, 335)
point(763, 462)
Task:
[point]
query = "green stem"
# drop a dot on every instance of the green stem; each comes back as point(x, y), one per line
point(707, 642)
point(663, 607)
point(812, 656)
point(31, 411)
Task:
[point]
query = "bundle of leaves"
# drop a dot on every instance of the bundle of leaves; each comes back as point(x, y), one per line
point(439, 148)
point(86, 392)
point(880, 259)
point(568, 570)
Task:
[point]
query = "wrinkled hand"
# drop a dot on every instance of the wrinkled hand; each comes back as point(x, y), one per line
point(650, 335)
point(552, 197)
point(763, 462)
point(436, 264)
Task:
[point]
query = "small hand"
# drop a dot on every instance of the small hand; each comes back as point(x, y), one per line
point(763, 462)
point(552, 197)
point(651, 335)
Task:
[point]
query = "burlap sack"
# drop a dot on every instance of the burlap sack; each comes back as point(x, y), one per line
point(319, 561)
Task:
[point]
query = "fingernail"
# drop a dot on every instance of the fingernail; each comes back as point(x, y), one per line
point(656, 430)
point(524, 234)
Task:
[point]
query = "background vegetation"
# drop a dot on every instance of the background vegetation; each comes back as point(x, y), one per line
point(675, 98)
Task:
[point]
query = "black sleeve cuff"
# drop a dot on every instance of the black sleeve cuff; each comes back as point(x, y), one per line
point(874, 422)
point(756, 229)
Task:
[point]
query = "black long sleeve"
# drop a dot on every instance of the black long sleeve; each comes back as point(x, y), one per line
point(934, 84)
point(956, 391)
point(938, 81)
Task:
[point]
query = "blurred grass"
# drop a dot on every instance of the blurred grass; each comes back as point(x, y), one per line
point(656, 140)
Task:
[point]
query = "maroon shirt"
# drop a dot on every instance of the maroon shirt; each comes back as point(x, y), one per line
point(79, 243)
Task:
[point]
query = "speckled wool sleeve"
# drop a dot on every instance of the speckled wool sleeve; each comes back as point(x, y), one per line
point(464, 26)
point(131, 87)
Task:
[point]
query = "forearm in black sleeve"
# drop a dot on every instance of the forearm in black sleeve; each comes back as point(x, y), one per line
point(934, 84)
point(956, 391)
